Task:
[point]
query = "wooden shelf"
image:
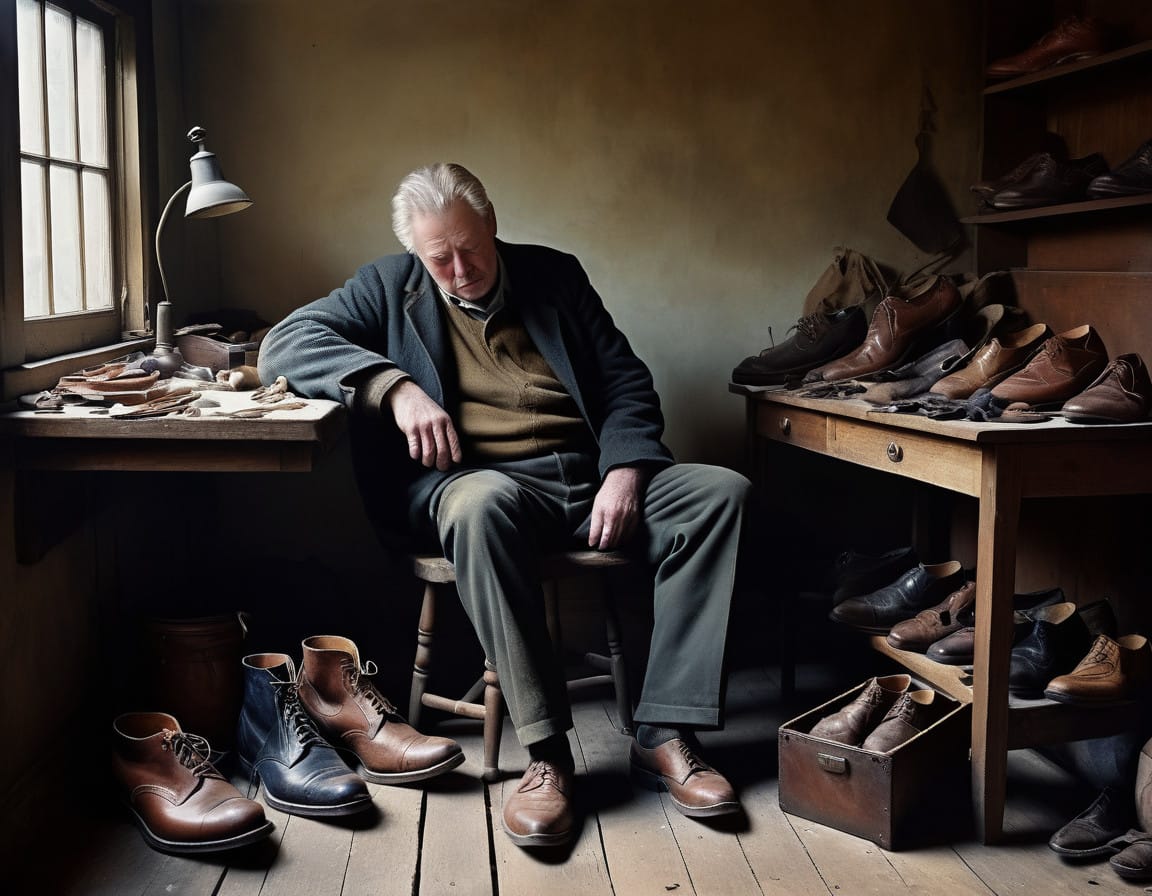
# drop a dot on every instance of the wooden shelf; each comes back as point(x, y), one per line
point(1125, 54)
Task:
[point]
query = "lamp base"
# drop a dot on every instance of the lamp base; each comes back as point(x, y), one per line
point(164, 358)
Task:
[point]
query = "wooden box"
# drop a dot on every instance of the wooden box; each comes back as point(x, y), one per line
point(213, 353)
point(917, 794)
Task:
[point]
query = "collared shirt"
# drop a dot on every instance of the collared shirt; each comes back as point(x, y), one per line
point(480, 312)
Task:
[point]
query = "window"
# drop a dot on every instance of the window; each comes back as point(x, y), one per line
point(74, 258)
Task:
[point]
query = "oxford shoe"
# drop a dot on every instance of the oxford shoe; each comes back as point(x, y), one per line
point(957, 649)
point(278, 744)
point(697, 790)
point(1074, 38)
point(909, 715)
point(1090, 833)
point(336, 691)
point(1059, 639)
point(816, 339)
point(1065, 366)
point(1132, 177)
point(1051, 182)
point(539, 812)
point(906, 323)
point(1112, 670)
point(916, 590)
point(929, 626)
point(853, 722)
point(178, 799)
point(855, 573)
point(1121, 394)
point(1001, 357)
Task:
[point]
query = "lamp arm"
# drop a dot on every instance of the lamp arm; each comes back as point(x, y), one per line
point(159, 230)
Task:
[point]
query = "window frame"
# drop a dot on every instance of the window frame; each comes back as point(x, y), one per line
point(34, 353)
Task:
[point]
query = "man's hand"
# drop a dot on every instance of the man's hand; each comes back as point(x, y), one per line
point(432, 438)
point(616, 510)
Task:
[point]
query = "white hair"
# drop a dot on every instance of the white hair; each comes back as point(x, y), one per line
point(432, 189)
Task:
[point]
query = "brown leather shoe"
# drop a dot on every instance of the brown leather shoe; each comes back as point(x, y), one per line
point(1121, 394)
point(1074, 38)
point(1000, 358)
point(697, 789)
point(910, 715)
point(851, 724)
point(896, 331)
point(1064, 367)
point(180, 802)
point(356, 718)
point(929, 626)
point(1112, 671)
point(539, 813)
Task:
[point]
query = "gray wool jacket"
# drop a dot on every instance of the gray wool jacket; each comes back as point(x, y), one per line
point(389, 317)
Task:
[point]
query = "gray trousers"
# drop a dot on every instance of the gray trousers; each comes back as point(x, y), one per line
point(494, 523)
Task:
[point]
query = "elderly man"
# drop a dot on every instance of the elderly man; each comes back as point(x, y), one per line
point(528, 423)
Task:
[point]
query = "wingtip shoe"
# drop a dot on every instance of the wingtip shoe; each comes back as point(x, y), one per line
point(1112, 670)
point(356, 718)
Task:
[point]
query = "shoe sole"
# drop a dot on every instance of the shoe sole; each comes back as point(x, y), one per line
point(535, 841)
point(199, 846)
point(652, 781)
point(1073, 700)
point(304, 810)
point(422, 774)
point(1093, 853)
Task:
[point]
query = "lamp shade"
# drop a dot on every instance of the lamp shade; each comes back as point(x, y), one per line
point(211, 195)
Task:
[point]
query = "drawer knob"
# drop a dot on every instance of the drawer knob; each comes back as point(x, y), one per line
point(785, 425)
point(895, 453)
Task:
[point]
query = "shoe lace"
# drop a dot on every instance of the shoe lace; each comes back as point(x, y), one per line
point(191, 751)
point(362, 687)
point(695, 763)
point(810, 325)
point(544, 771)
point(288, 694)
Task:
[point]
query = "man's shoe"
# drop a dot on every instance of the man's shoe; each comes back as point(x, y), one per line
point(852, 723)
point(1058, 641)
point(1051, 182)
point(697, 789)
point(957, 649)
point(1133, 859)
point(818, 338)
point(1001, 357)
point(1064, 367)
point(1113, 670)
point(1073, 39)
point(180, 802)
point(1121, 394)
point(357, 719)
point(278, 744)
point(1088, 834)
point(1132, 177)
point(854, 573)
point(909, 715)
point(918, 589)
point(539, 813)
point(929, 626)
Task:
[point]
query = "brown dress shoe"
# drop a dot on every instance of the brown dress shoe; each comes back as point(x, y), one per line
point(180, 802)
point(1064, 367)
point(852, 723)
point(1000, 358)
point(929, 626)
point(1121, 394)
point(539, 813)
point(697, 789)
point(356, 718)
point(1074, 38)
point(1112, 671)
point(908, 717)
point(896, 331)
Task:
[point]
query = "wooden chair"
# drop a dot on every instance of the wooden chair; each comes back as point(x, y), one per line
point(439, 578)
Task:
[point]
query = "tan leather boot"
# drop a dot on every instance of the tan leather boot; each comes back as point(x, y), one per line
point(356, 718)
point(180, 802)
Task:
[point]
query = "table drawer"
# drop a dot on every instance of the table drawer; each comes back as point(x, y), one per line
point(793, 426)
point(944, 462)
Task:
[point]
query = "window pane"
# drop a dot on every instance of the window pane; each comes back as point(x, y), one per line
point(63, 189)
point(35, 240)
point(97, 242)
point(90, 86)
point(61, 84)
point(31, 65)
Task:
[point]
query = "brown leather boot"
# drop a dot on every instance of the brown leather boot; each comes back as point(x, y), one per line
point(180, 802)
point(356, 718)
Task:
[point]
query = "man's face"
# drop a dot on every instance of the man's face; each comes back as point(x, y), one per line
point(459, 250)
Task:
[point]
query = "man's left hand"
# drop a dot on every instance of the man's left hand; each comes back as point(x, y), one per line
point(617, 508)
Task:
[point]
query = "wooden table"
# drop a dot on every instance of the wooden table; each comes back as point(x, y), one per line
point(999, 465)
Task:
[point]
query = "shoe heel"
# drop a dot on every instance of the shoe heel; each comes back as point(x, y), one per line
point(649, 781)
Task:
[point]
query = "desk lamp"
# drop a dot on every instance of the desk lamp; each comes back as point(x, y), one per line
point(209, 196)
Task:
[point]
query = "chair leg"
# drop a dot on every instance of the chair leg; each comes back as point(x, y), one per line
point(493, 725)
point(616, 663)
point(423, 662)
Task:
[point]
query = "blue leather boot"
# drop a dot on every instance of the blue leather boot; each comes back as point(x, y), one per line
point(278, 744)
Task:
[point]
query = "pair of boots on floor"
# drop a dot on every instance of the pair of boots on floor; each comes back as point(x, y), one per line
point(290, 730)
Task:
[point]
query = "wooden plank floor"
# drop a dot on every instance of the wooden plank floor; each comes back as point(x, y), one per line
point(447, 839)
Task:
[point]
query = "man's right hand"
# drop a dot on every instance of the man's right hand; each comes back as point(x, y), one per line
point(432, 438)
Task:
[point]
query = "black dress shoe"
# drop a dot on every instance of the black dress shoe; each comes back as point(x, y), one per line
point(1051, 182)
point(816, 339)
point(1132, 177)
point(854, 574)
point(278, 744)
point(916, 590)
point(1058, 641)
point(1090, 833)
